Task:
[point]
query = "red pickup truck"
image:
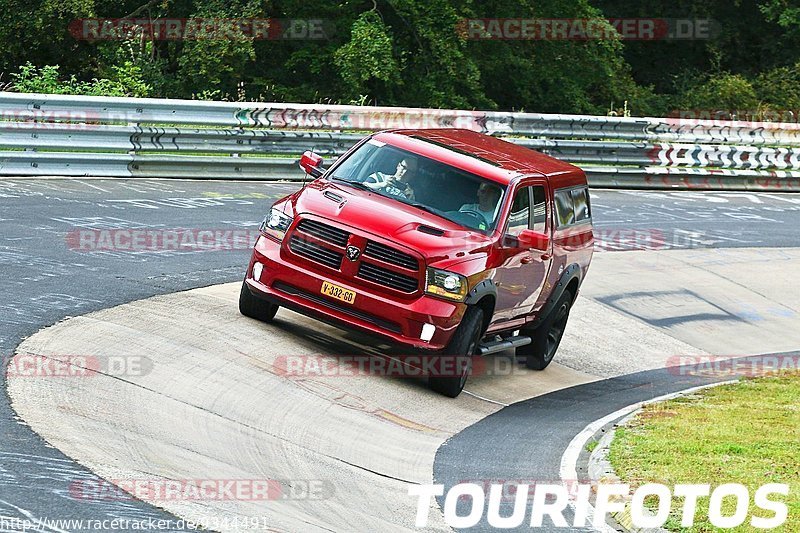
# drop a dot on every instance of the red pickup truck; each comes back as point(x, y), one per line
point(447, 241)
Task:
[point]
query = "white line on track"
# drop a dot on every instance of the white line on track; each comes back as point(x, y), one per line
point(484, 399)
point(569, 460)
point(92, 186)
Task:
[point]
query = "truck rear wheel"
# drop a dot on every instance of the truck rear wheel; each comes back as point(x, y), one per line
point(463, 346)
point(546, 338)
point(255, 307)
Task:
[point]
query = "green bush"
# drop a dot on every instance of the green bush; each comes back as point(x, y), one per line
point(723, 92)
point(780, 88)
point(126, 80)
point(30, 79)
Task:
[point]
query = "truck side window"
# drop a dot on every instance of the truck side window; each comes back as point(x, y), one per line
point(519, 218)
point(580, 199)
point(564, 210)
point(539, 209)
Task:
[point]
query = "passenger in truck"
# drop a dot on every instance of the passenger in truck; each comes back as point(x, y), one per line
point(488, 198)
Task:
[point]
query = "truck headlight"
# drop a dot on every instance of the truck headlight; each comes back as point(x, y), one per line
point(275, 224)
point(446, 284)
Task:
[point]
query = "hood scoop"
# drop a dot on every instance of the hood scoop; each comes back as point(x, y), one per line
point(430, 230)
point(333, 196)
point(336, 198)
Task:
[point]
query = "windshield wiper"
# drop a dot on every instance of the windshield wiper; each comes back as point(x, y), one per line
point(354, 184)
point(436, 212)
point(440, 214)
point(429, 210)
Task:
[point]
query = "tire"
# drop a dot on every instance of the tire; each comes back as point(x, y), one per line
point(546, 338)
point(254, 307)
point(463, 346)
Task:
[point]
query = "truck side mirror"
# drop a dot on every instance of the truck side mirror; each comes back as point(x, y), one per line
point(533, 239)
point(311, 163)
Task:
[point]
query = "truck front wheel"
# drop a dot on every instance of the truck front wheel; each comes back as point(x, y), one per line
point(254, 307)
point(462, 347)
point(547, 337)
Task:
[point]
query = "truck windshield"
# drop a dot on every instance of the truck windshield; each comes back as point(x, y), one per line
point(430, 185)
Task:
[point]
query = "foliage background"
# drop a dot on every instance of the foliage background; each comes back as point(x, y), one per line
point(410, 53)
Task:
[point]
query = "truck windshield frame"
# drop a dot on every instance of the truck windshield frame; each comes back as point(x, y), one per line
point(458, 196)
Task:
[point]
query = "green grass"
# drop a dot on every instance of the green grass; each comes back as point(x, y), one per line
point(747, 433)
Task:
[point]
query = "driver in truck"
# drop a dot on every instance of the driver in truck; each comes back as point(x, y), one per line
point(398, 183)
point(488, 197)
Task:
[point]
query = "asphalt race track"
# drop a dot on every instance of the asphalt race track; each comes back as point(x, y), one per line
point(44, 282)
point(676, 274)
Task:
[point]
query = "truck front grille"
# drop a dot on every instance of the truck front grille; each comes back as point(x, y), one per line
point(323, 232)
point(384, 265)
point(315, 252)
point(390, 255)
point(388, 278)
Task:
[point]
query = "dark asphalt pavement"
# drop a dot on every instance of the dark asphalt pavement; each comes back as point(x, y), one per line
point(44, 279)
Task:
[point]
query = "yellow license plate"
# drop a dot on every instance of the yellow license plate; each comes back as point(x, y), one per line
point(340, 293)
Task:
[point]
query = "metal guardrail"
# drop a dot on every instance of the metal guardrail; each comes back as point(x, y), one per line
point(62, 136)
point(30, 163)
point(125, 137)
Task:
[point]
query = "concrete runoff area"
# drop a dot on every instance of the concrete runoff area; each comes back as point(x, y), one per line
point(214, 403)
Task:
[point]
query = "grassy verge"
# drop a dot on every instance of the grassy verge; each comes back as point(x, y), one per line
point(747, 433)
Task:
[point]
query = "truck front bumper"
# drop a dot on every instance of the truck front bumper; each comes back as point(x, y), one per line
point(403, 321)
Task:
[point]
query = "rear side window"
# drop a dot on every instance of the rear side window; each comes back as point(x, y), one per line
point(564, 211)
point(572, 206)
point(580, 203)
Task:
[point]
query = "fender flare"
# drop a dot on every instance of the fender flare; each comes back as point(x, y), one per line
point(573, 271)
point(484, 288)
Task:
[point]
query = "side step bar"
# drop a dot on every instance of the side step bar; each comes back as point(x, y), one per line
point(505, 344)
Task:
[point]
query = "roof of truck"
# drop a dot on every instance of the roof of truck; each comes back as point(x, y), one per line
point(491, 156)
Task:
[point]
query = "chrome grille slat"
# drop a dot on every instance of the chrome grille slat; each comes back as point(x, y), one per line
point(315, 252)
point(381, 277)
point(324, 231)
point(388, 278)
point(390, 255)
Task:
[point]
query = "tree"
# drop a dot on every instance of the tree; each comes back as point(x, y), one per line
point(368, 57)
point(416, 53)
